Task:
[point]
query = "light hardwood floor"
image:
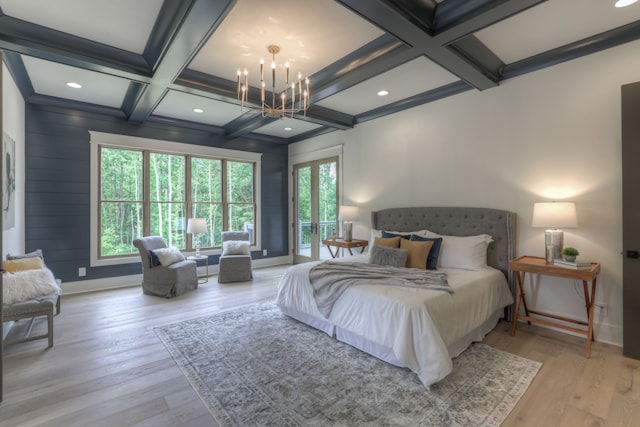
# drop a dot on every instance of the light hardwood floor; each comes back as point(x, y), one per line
point(108, 368)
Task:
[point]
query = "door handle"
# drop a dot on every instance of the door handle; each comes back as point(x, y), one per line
point(633, 254)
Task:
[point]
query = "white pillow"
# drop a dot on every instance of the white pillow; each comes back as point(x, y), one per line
point(235, 247)
point(168, 256)
point(464, 252)
point(27, 284)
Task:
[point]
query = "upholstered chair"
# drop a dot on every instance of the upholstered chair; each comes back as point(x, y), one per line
point(235, 261)
point(160, 280)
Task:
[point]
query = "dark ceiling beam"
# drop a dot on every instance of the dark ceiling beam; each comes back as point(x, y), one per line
point(203, 17)
point(421, 13)
point(51, 45)
point(393, 22)
point(605, 40)
point(310, 134)
point(68, 104)
point(18, 72)
point(474, 51)
point(414, 101)
point(166, 26)
point(456, 19)
point(246, 123)
point(376, 57)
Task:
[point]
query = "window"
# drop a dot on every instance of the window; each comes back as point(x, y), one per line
point(152, 191)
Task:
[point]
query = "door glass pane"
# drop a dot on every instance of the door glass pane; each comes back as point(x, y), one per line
point(303, 211)
point(328, 200)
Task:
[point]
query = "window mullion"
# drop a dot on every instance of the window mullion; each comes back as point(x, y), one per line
point(146, 205)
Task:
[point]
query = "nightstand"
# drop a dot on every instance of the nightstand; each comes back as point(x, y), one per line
point(205, 278)
point(344, 244)
point(535, 265)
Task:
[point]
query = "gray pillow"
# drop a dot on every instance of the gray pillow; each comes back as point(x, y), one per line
point(383, 255)
point(36, 253)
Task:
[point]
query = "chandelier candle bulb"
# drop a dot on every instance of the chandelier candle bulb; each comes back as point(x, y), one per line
point(286, 75)
point(239, 74)
point(273, 75)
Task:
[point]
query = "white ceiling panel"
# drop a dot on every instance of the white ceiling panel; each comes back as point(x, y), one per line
point(286, 128)
point(307, 32)
point(180, 105)
point(417, 76)
point(553, 24)
point(50, 78)
point(124, 24)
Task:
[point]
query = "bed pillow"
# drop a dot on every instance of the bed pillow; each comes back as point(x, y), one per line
point(22, 264)
point(28, 284)
point(378, 233)
point(402, 235)
point(37, 253)
point(390, 242)
point(418, 253)
point(235, 247)
point(434, 253)
point(384, 255)
point(168, 256)
point(465, 253)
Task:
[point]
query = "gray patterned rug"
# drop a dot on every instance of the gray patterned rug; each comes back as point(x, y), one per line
point(255, 366)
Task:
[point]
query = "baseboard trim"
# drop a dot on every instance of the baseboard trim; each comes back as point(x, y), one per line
point(93, 285)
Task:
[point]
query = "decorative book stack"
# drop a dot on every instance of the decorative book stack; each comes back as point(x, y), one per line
point(576, 265)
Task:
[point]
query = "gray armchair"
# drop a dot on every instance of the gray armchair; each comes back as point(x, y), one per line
point(235, 268)
point(164, 281)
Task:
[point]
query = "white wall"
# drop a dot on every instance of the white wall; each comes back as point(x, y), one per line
point(549, 135)
point(13, 125)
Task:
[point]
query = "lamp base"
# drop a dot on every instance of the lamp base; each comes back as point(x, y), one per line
point(347, 231)
point(553, 243)
point(197, 250)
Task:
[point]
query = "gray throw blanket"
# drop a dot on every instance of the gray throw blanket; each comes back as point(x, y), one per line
point(330, 279)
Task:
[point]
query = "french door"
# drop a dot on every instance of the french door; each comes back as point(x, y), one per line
point(315, 208)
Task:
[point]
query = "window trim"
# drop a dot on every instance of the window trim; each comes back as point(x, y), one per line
point(132, 142)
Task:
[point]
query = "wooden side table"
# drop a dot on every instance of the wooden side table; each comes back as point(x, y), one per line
point(205, 278)
point(339, 242)
point(535, 265)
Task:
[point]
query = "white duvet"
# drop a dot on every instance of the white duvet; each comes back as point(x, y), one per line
point(414, 328)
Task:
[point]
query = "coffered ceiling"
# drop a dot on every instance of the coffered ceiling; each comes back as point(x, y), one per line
point(158, 60)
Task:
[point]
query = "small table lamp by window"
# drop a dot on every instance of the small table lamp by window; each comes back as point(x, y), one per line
point(195, 226)
point(348, 214)
point(553, 215)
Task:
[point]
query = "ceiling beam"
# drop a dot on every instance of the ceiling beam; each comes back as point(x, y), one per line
point(587, 46)
point(18, 72)
point(393, 22)
point(33, 40)
point(203, 17)
point(413, 101)
point(456, 19)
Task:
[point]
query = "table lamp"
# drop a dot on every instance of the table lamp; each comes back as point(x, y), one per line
point(348, 214)
point(553, 215)
point(195, 226)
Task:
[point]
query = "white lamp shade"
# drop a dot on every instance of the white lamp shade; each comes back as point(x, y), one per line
point(349, 213)
point(554, 215)
point(196, 225)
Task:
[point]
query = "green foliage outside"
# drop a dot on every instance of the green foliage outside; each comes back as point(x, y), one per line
point(122, 215)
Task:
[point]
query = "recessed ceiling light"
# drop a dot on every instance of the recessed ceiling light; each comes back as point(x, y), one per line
point(198, 110)
point(624, 3)
point(288, 129)
point(74, 85)
point(383, 93)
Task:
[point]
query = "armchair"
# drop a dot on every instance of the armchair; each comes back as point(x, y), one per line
point(235, 264)
point(164, 281)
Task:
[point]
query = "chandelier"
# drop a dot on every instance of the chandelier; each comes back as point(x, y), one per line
point(293, 99)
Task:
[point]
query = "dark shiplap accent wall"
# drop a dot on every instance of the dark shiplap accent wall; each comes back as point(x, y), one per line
point(57, 199)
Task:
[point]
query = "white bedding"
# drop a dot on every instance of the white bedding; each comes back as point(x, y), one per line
point(415, 328)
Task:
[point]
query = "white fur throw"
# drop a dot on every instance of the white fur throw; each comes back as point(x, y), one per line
point(28, 284)
point(235, 247)
point(168, 256)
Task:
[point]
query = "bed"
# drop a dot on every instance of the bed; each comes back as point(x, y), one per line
point(416, 328)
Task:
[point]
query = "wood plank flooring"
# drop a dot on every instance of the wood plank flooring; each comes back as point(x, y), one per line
point(108, 368)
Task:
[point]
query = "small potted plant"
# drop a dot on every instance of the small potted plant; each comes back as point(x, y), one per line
point(569, 254)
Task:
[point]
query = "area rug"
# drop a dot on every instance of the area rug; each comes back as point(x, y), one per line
point(256, 366)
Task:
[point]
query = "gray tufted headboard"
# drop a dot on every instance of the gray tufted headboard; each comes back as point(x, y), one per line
point(501, 225)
